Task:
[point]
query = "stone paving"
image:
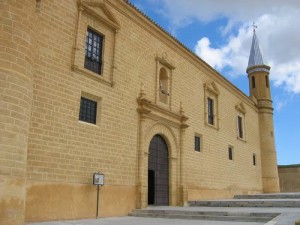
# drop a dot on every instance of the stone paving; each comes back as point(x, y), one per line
point(287, 216)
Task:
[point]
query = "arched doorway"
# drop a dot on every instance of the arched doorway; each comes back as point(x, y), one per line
point(158, 172)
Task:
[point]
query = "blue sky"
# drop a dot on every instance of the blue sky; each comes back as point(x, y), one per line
point(220, 32)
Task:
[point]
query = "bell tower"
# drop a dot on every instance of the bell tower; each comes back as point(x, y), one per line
point(258, 75)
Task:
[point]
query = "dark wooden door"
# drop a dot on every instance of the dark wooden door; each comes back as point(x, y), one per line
point(158, 172)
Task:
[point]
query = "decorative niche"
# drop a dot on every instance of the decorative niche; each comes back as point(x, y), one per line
point(164, 69)
point(96, 16)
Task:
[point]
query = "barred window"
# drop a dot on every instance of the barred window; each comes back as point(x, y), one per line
point(88, 110)
point(93, 51)
point(210, 111)
point(197, 144)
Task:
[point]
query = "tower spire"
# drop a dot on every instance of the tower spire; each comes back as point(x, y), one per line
point(255, 58)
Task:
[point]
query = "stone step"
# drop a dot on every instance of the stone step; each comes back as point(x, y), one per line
point(280, 203)
point(270, 196)
point(204, 215)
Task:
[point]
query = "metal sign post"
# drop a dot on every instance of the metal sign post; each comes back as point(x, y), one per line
point(98, 179)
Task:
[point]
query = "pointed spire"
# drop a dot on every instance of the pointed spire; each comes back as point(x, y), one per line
point(255, 58)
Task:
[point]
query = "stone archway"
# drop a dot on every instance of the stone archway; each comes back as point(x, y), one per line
point(158, 172)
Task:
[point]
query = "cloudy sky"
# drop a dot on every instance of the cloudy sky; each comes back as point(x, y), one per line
point(220, 32)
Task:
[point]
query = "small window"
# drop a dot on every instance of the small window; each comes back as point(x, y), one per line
point(197, 143)
point(240, 127)
point(88, 110)
point(93, 51)
point(253, 82)
point(210, 111)
point(230, 153)
point(254, 159)
point(267, 81)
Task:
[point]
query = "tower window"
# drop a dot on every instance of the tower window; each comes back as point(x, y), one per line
point(253, 81)
point(197, 143)
point(88, 110)
point(93, 51)
point(240, 127)
point(267, 81)
point(230, 153)
point(210, 111)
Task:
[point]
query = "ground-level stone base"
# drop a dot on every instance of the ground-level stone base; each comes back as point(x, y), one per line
point(57, 201)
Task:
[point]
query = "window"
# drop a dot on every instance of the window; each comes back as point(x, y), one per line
point(210, 111)
point(88, 110)
point(230, 153)
point(197, 143)
point(253, 82)
point(240, 127)
point(254, 160)
point(93, 51)
point(267, 81)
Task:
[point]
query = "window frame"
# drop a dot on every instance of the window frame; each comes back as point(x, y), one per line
point(210, 111)
point(98, 50)
point(86, 113)
point(197, 145)
point(240, 126)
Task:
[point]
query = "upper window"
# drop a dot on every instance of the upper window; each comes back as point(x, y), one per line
point(240, 121)
point(197, 143)
point(240, 127)
point(211, 95)
point(210, 111)
point(88, 110)
point(93, 51)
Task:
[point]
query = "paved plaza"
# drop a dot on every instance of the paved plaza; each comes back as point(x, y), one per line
point(287, 216)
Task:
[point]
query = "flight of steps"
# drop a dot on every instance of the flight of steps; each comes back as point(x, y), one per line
point(204, 215)
point(291, 200)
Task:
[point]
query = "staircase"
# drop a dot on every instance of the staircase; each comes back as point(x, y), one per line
point(200, 210)
point(291, 200)
point(204, 215)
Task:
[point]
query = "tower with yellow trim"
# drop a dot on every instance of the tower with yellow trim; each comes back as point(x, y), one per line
point(259, 85)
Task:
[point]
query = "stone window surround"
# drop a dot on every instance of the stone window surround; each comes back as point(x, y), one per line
point(88, 9)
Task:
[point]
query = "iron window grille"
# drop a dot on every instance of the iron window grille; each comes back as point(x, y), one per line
point(210, 111)
point(93, 51)
point(88, 110)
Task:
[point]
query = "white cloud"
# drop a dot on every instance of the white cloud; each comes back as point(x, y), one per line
point(278, 33)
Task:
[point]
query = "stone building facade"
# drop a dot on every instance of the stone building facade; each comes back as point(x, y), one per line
point(96, 86)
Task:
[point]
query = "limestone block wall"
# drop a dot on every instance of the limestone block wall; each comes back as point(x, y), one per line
point(17, 42)
point(289, 178)
point(63, 152)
